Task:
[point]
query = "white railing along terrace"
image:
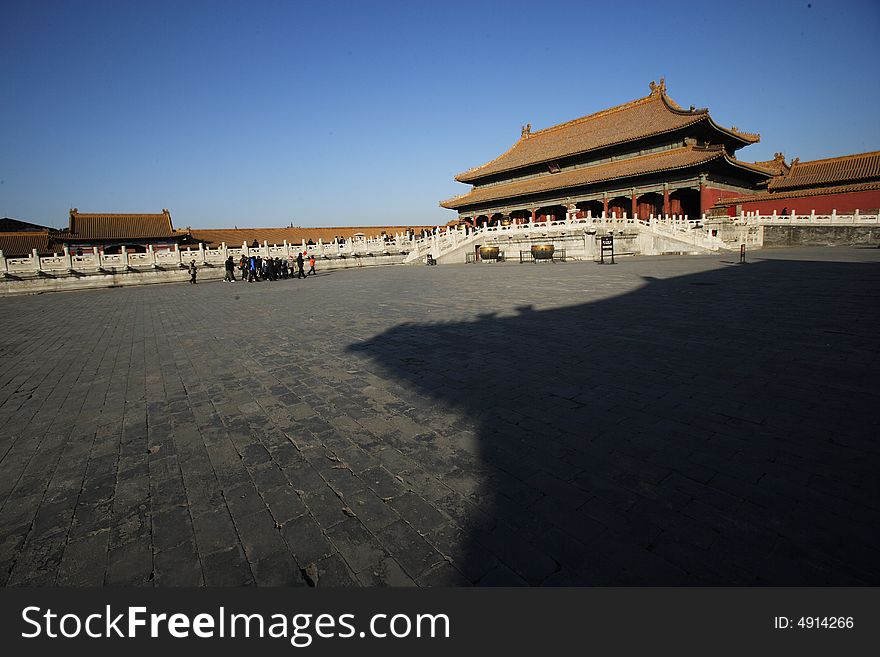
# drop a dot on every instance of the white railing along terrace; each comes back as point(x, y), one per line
point(792, 219)
point(437, 242)
point(181, 257)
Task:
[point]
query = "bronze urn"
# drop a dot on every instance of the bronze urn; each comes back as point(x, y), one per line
point(543, 251)
point(489, 252)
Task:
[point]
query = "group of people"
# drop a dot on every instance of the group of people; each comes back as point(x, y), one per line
point(257, 268)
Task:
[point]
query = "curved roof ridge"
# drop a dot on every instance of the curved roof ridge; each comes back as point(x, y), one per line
point(658, 94)
point(748, 137)
point(751, 166)
point(852, 156)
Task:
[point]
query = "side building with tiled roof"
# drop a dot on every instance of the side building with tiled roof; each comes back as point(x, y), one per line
point(21, 244)
point(648, 156)
point(108, 232)
point(19, 239)
point(843, 184)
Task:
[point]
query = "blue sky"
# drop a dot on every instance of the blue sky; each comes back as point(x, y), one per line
point(355, 113)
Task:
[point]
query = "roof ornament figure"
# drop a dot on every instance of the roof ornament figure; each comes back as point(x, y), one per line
point(526, 131)
point(658, 88)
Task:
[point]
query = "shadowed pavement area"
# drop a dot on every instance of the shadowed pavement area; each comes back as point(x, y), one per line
point(658, 421)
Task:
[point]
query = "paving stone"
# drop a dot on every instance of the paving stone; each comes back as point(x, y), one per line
point(131, 524)
point(227, 568)
point(84, 562)
point(332, 572)
point(38, 561)
point(526, 560)
point(326, 506)
point(372, 511)
point(343, 481)
point(130, 565)
point(386, 573)
point(171, 528)
point(214, 530)
point(278, 569)
point(259, 535)
point(356, 545)
point(306, 540)
point(417, 512)
point(442, 575)
point(501, 576)
point(244, 500)
point(284, 503)
point(304, 477)
point(178, 566)
point(408, 548)
point(268, 475)
point(457, 548)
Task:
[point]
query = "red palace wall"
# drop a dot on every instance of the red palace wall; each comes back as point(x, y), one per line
point(709, 196)
point(823, 204)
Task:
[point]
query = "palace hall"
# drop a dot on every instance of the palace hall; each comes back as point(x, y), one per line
point(650, 157)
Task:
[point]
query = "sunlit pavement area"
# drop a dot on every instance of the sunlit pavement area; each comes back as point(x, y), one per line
point(660, 421)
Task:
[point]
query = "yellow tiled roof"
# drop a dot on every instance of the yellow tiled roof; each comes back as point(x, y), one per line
point(20, 244)
point(851, 169)
point(103, 226)
point(652, 115)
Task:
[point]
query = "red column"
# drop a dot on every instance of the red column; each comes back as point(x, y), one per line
point(634, 205)
point(706, 200)
point(665, 200)
point(605, 205)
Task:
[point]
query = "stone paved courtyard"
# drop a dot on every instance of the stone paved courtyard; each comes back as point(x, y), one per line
point(659, 421)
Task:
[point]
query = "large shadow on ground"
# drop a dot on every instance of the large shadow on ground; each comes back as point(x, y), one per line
point(718, 428)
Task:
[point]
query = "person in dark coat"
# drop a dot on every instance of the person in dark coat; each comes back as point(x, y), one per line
point(230, 270)
point(192, 272)
point(299, 265)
